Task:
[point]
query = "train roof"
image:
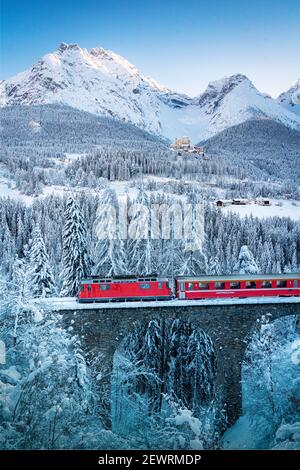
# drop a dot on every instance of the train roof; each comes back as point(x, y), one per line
point(239, 277)
point(129, 278)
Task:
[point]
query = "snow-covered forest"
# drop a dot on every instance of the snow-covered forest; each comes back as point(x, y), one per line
point(38, 139)
point(164, 395)
point(274, 242)
point(163, 386)
point(149, 231)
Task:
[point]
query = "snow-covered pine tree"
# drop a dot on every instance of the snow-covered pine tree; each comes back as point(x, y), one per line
point(195, 260)
point(16, 293)
point(140, 253)
point(246, 263)
point(110, 251)
point(294, 264)
point(266, 257)
point(41, 276)
point(76, 260)
point(173, 248)
point(166, 359)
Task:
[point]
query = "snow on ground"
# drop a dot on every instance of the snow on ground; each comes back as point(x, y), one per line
point(69, 158)
point(70, 303)
point(122, 188)
point(7, 189)
point(11, 373)
point(246, 434)
point(279, 207)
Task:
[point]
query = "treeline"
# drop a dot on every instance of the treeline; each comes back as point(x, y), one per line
point(38, 140)
point(273, 242)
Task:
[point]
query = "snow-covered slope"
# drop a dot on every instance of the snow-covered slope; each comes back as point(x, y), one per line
point(233, 100)
point(97, 81)
point(290, 99)
point(104, 83)
point(263, 148)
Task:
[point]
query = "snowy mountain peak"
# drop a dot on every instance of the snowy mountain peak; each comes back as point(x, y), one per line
point(64, 46)
point(102, 82)
point(217, 90)
point(229, 82)
point(104, 54)
point(290, 99)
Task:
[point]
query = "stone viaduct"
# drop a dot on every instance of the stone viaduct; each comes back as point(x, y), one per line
point(230, 325)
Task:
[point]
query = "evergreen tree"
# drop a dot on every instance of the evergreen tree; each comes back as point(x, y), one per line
point(140, 244)
point(41, 277)
point(19, 294)
point(195, 260)
point(110, 248)
point(76, 260)
point(246, 263)
point(294, 264)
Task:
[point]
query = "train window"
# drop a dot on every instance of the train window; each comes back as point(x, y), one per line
point(104, 287)
point(82, 288)
point(235, 285)
point(145, 286)
point(89, 288)
point(203, 285)
point(296, 283)
point(190, 286)
point(160, 285)
point(220, 285)
point(250, 285)
point(281, 283)
point(266, 284)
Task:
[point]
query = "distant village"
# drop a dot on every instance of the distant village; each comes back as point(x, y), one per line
point(242, 202)
point(184, 145)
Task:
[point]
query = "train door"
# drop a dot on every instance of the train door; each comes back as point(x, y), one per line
point(181, 290)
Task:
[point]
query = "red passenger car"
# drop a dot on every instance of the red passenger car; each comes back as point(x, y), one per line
point(239, 285)
point(98, 289)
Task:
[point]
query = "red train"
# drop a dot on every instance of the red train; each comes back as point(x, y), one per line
point(97, 289)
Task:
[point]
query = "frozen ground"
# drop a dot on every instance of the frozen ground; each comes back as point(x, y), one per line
point(70, 303)
point(279, 207)
point(7, 189)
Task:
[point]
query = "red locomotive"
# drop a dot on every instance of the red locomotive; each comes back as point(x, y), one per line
point(98, 289)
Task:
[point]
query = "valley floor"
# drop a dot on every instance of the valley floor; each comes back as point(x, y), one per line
point(278, 208)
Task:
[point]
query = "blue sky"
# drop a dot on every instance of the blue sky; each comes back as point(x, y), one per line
point(181, 44)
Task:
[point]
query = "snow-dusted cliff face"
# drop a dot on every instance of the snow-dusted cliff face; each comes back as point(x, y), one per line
point(291, 99)
point(104, 83)
point(97, 81)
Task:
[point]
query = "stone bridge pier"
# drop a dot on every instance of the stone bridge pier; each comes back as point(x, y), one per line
point(102, 328)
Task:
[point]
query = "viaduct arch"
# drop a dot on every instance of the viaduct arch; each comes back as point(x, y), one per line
point(102, 328)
